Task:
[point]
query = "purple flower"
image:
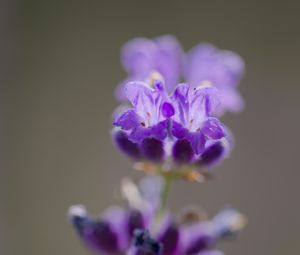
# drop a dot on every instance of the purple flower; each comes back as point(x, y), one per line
point(126, 231)
point(222, 68)
point(144, 127)
point(141, 57)
point(180, 126)
point(136, 231)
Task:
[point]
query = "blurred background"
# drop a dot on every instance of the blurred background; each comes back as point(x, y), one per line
point(59, 64)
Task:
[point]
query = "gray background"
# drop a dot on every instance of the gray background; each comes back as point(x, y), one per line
point(59, 66)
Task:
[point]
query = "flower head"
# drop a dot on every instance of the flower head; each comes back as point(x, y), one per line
point(179, 128)
point(135, 229)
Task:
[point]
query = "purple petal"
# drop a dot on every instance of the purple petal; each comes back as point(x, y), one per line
point(181, 103)
point(223, 69)
point(127, 120)
point(216, 152)
point(117, 218)
point(197, 140)
point(231, 100)
point(212, 154)
point(101, 235)
point(141, 97)
point(213, 128)
point(125, 145)
point(159, 131)
point(152, 149)
point(198, 237)
point(138, 56)
point(169, 237)
point(135, 221)
point(178, 130)
point(203, 102)
point(169, 59)
point(182, 151)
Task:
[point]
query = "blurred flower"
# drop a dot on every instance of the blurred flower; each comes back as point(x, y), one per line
point(136, 230)
point(141, 57)
point(179, 128)
point(221, 68)
point(162, 59)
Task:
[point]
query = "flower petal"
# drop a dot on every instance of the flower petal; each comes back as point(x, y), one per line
point(127, 120)
point(137, 56)
point(197, 140)
point(152, 149)
point(125, 145)
point(213, 128)
point(182, 151)
point(181, 103)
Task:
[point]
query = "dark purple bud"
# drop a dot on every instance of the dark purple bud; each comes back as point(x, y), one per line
point(152, 149)
point(212, 154)
point(126, 146)
point(167, 110)
point(135, 221)
point(182, 151)
point(144, 244)
point(170, 239)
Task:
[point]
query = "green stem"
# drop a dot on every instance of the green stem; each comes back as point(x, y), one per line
point(164, 195)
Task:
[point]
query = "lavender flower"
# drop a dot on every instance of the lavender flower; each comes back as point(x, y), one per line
point(223, 69)
point(170, 130)
point(180, 126)
point(136, 230)
point(141, 57)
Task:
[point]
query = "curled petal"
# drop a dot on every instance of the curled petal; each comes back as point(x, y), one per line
point(127, 120)
point(213, 128)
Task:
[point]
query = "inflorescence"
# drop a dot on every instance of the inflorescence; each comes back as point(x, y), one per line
point(173, 131)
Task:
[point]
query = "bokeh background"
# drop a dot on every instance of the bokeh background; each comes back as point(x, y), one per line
point(59, 65)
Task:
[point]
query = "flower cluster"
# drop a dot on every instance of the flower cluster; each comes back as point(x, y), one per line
point(135, 230)
point(172, 130)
